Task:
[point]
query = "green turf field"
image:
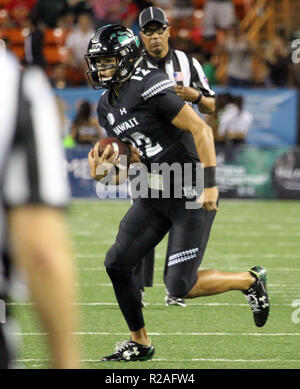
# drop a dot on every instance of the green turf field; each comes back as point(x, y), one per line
point(211, 332)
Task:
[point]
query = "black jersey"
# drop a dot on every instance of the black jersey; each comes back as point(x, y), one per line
point(142, 115)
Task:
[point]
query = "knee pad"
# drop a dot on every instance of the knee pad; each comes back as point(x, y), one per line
point(177, 286)
point(120, 259)
point(114, 268)
point(111, 258)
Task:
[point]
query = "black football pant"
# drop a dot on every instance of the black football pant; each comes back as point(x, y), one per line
point(144, 270)
point(142, 228)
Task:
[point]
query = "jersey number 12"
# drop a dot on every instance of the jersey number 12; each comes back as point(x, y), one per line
point(146, 147)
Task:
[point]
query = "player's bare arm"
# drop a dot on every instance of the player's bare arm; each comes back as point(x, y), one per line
point(188, 120)
point(207, 105)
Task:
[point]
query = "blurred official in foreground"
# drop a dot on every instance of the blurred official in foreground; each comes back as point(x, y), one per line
point(33, 192)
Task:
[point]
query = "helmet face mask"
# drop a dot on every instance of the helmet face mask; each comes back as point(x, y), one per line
point(94, 74)
point(113, 41)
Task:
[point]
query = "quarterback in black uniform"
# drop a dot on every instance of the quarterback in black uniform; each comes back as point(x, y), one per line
point(140, 107)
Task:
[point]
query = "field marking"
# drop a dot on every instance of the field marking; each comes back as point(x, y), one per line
point(261, 223)
point(102, 268)
point(175, 360)
point(231, 244)
point(222, 244)
point(254, 234)
point(268, 233)
point(223, 360)
point(249, 220)
point(212, 256)
point(166, 334)
point(286, 287)
point(93, 304)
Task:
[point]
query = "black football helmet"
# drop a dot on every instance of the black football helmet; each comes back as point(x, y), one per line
point(116, 41)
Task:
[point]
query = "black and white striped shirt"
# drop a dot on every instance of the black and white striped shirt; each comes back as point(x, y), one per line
point(31, 155)
point(182, 69)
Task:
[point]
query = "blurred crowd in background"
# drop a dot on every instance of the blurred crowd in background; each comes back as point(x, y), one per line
point(221, 34)
point(54, 35)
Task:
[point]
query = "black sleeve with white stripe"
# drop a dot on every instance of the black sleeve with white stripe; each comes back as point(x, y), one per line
point(198, 78)
point(156, 83)
point(35, 167)
point(159, 92)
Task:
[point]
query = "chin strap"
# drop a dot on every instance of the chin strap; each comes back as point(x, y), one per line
point(137, 62)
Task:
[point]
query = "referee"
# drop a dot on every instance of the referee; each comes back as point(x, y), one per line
point(33, 191)
point(185, 71)
point(190, 84)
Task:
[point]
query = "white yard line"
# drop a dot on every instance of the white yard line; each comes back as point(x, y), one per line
point(278, 269)
point(168, 334)
point(96, 303)
point(287, 289)
point(230, 243)
point(275, 286)
point(211, 256)
point(175, 360)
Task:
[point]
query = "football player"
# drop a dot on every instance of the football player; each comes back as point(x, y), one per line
point(141, 107)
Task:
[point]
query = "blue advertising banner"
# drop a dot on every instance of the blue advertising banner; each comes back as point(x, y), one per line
point(242, 172)
point(274, 114)
point(82, 184)
point(274, 111)
point(77, 167)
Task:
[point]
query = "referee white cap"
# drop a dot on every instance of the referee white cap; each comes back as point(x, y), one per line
point(152, 14)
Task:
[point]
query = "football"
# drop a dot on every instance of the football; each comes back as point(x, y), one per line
point(117, 145)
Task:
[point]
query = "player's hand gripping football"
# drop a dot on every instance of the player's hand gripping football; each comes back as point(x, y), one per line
point(100, 166)
point(209, 198)
point(134, 155)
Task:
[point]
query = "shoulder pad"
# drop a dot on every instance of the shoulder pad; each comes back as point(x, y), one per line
point(156, 82)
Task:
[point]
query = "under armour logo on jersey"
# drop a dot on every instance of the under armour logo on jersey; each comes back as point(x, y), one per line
point(123, 111)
